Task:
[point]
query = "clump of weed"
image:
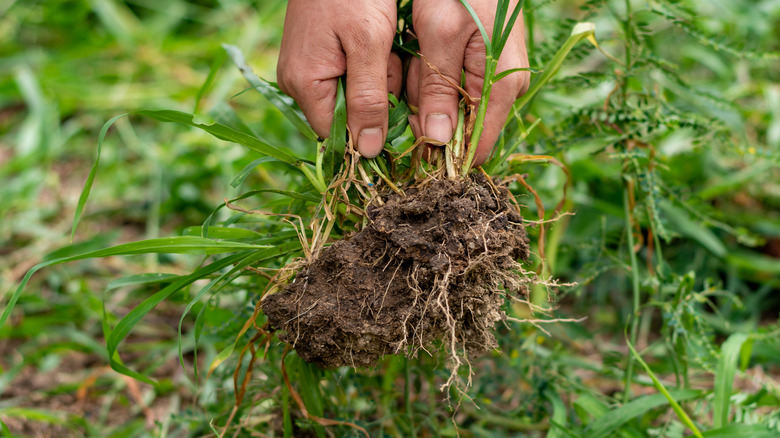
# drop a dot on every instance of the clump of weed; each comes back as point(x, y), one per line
point(439, 249)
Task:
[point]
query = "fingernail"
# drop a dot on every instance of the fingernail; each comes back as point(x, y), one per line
point(370, 142)
point(438, 127)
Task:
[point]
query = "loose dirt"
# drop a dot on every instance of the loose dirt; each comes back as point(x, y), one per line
point(435, 264)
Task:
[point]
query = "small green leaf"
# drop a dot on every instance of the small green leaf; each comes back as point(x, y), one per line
point(398, 120)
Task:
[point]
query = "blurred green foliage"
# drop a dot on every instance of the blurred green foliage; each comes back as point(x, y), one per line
point(674, 245)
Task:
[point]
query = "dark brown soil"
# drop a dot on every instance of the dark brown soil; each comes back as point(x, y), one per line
point(433, 265)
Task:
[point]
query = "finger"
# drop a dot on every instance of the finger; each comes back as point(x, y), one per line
point(317, 101)
point(367, 80)
point(413, 84)
point(395, 73)
point(442, 43)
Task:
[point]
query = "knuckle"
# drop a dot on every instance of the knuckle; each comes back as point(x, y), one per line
point(367, 105)
point(434, 84)
point(525, 81)
point(367, 34)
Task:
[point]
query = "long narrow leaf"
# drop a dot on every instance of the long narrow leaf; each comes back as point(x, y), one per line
point(337, 140)
point(284, 103)
point(168, 245)
point(724, 377)
point(294, 195)
point(508, 29)
point(91, 178)
point(475, 17)
point(498, 24)
point(222, 132)
point(681, 414)
point(246, 171)
point(123, 328)
point(742, 431)
point(609, 423)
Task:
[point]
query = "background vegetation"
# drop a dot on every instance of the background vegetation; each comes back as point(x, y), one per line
point(673, 149)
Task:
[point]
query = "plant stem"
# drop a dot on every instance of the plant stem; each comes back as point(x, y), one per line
point(320, 158)
point(317, 183)
point(627, 31)
point(490, 71)
point(635, 292)
point(408, 396)
point(454, 150)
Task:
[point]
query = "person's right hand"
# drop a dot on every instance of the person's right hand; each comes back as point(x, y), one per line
point(324, 39)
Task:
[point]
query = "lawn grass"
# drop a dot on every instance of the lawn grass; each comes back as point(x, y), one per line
point(673, 153)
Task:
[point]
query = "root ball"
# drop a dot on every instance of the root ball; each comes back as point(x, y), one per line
point(433, 265)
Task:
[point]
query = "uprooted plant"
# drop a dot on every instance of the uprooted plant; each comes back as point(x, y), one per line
point(433, 248)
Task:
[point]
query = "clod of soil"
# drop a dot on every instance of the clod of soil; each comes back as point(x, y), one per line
point(436, 264)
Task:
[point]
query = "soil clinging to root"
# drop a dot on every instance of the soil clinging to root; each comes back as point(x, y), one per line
point(435, 264)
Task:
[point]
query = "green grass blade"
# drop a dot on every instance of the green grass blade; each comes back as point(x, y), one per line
point(226, 278)
point(696, 231)
point(118, 20)
point(742, 431)
point(219, 59)
point(498, 23)
point(506, 73)
point(231, 274)
point(221, 132)
point(610, 422)
point(6, 431)
point(681, 414)
point(724, 377)
point(559, 417)
point(580, 32)
point(140, 279)
point(91, 178)
point(246, 171)
point(294, 195)
point(475, 17)
point(334, 152)
point(167, 245)
point(129, 321)
point(223, 113)
point(227, 233)
point(508, 29)
point(284, 103)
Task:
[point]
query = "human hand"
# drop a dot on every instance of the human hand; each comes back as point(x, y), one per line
point(450, 41)
point(324, 39)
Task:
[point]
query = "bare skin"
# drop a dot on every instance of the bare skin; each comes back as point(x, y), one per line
point(324, 39)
